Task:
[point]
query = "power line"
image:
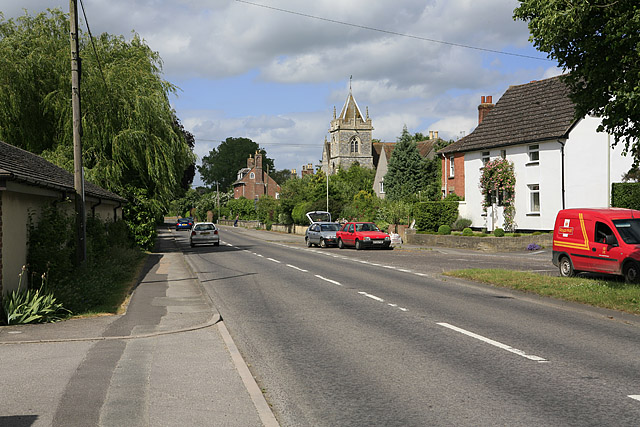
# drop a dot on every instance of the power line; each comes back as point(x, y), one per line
point(364, 27)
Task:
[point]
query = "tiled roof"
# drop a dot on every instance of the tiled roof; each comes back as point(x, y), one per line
point(424, 148)
point(19, 165)
point(531, 112)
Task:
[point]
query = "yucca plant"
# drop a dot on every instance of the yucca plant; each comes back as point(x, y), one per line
point(32, 305)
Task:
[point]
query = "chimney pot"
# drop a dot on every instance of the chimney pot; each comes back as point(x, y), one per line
point(430, 134)
point(482, 100)
point(490, 99)
point(435, 134)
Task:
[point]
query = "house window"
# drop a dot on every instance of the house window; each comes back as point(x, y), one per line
point(485, 158)
point(354, 145)
point(451, 167)
point(534, 198)
point(252, 175)
point(503, 154)
point(534, 153)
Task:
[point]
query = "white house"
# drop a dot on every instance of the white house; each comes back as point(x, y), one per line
point(559, 161)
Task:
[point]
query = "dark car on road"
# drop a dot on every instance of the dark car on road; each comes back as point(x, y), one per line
point(184, 224)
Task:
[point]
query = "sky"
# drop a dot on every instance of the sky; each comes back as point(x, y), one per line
point(273, 70)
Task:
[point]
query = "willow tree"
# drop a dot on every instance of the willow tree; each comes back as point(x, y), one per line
point(131, 135)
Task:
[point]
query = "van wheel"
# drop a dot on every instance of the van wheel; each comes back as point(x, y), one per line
point(566, 268)
point(631, 272)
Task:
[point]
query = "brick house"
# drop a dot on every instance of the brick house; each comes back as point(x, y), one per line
point(27, 184)
point(452, 171)
point(254, 182)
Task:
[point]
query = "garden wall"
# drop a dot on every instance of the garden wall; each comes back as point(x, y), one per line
point(486, 244)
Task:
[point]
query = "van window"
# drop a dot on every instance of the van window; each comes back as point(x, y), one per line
point(629, 230)
point(602, 231)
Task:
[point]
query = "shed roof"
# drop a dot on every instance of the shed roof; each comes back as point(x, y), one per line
point(20, 165)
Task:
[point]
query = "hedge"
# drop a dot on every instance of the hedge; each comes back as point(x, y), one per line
point(625, 195)
point(431, 215)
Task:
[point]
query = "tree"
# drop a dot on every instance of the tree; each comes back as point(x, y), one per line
point(130, 132)
point(223, 163)
point(598, 42)
point(406, 175)
point(281, 176)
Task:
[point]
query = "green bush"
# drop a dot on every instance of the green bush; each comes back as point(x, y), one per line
point(467, 232)
point(461, 223)
point(444, 230)
point(430, 215)
point(625, 195)
point(498, 232)
point(298, 214)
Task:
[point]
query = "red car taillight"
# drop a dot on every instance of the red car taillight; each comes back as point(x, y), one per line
point(215, 232)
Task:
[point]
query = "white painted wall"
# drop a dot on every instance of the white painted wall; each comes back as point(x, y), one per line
point(591, 166)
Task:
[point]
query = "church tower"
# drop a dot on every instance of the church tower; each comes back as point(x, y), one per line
point(349, 139)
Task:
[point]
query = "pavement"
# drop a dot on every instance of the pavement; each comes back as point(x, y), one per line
point(168, 361)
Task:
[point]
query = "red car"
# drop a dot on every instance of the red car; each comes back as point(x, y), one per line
point(362, 235)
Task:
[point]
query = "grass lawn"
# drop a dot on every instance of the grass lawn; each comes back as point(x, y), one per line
point(612, 294)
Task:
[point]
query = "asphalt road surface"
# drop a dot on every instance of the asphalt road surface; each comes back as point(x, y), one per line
point(361, 338)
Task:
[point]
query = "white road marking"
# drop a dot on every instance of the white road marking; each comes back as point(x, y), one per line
point(634, 396)
point(390, 266)
point(403, 309)
point(274, 260)
point(297, 268)
point(404, 270)
point(228, 244)
point(261, 256)
point(328, 280)
point(494, 343)
point(420, 274)
point(371, 296)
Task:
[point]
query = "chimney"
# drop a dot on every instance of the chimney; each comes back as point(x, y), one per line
point(250, 162)
point(430, 134)
point(258, 160)
point(486, 105)
point(435, 134)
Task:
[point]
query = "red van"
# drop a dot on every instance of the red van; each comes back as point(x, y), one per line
point(598, 240)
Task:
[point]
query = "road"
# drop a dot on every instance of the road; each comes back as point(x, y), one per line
point(345, 337)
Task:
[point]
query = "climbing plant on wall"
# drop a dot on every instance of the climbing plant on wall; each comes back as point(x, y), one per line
point(497, 184)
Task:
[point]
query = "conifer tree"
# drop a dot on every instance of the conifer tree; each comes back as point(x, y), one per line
point(406, 170)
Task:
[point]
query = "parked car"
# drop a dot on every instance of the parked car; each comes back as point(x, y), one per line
point(203, 233)
point(362, 235)
point(184, 223)
point(322, 234)
point(599, 241)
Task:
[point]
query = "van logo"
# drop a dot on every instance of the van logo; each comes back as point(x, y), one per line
point(565, 230)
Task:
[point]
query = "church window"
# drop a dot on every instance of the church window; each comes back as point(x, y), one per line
point(354, 145)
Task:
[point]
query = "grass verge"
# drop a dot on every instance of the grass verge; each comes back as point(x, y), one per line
point(615, 295)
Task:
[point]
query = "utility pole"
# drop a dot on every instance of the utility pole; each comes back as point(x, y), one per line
point(78, 173)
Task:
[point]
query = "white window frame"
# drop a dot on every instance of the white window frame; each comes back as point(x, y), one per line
point(252, 175)
point(534, 198)
point(534, 154)
point(452, 168)
point(382, 186)
point(486, 158)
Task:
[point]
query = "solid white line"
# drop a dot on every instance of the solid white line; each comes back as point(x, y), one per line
point(371, 296)
point(297, 268)
point(634, 396)
point(390, 266)
point(404, 271)
point(420, 274)
point(328, 280)
point(274, 260)
point(494, 343)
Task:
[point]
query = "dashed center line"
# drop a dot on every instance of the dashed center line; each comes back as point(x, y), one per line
point(371, 296)
point(274, 260)
point(634, 396)
point(328, 280)
point(494, 343)
point(297, 268)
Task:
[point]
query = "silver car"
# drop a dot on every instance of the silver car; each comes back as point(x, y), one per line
point(321, 232)
point(203, 233)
